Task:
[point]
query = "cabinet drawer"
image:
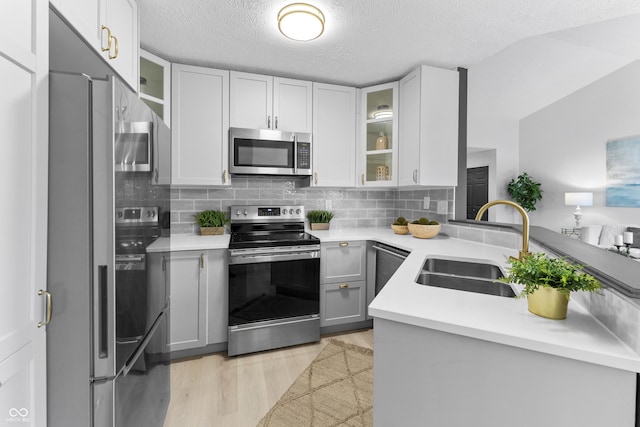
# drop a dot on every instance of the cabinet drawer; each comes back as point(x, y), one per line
point(343, 261)
point(342, 303)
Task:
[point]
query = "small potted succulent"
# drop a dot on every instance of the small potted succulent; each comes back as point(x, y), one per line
point(211, 222)
point(548, 282)
point(319, 220)
point(423, 228)
point(400, 225)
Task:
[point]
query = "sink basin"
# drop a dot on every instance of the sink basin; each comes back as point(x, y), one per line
point(465, 283)
point(462, 268)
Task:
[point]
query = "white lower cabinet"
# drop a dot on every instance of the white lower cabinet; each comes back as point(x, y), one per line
point(343, 286)
point(342, 303)
point(197, 284)
point(187, 307)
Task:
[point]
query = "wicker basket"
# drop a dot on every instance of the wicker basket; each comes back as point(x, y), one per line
point(400, 229)
point(320, 225)
point(211, 231)
point(424, 231)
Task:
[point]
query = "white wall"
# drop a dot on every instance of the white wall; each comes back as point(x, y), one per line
point(488, 130)
point(563, 146)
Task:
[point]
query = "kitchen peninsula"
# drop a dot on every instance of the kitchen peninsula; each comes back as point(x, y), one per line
point(438, 351)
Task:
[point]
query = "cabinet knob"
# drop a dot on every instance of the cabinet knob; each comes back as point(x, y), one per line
point(344, 285)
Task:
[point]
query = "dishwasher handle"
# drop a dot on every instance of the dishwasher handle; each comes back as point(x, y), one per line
point(401, 255)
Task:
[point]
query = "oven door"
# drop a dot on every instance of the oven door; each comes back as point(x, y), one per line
point(133, 148)
point(269, 287)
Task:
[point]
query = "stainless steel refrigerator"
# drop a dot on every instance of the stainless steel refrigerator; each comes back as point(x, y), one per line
point(98, 375)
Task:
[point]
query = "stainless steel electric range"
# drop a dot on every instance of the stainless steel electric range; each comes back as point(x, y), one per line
point(274, 279)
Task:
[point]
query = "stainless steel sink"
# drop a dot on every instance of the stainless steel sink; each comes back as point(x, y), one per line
point(462, 268)
point(467, 284)
point(468, 276)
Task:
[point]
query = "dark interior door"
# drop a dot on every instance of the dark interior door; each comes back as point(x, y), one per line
point(477, 191)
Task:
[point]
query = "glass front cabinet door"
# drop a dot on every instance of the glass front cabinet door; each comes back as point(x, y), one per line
point(379, 136)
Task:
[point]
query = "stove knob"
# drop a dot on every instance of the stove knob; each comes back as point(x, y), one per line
point(298, 211)
point(238, 212)
point(120, 214)
point(245, 212)
point(151, 214)
point(284, 211)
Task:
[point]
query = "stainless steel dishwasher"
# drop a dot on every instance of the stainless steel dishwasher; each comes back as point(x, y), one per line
point(388, 259)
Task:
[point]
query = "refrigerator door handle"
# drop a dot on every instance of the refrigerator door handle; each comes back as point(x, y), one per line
point(103, 315)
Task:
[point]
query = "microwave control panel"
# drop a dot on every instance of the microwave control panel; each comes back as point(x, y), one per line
point(304, 155)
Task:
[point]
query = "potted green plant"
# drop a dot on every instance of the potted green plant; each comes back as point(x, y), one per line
point(211, 222)
point(400, 225)
point(548, 282)
point(423, 228)
point(319, 219)
point(525, 191)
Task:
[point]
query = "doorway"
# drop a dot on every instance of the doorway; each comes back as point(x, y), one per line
point(477, 191)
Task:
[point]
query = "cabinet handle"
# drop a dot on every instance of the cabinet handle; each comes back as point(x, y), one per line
point(49, 308)
point(115, 48)
point(268, 122)
point(362, 179)
point(108, 48)
point(344, 285)
point(155, 175)
point(201, 260)
point(276, 122)
point(343, 244)
point(415, 176)
point(164, 264)
point(224, 176)
point(315, 178)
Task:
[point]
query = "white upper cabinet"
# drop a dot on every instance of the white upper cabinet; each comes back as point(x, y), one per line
point(111, 28)
point(379, 136)
point(428, 127)
point(265, 102)
point(86, 16)
point(200, 126)
point(334, 135)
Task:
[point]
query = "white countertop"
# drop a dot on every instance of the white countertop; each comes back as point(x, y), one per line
point(490, 318)
point(189, 242)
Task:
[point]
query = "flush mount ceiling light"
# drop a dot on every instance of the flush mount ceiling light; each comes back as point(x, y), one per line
point(383, 112)
point(301, 21)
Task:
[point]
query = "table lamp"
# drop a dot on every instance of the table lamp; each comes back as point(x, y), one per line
point(577, 200)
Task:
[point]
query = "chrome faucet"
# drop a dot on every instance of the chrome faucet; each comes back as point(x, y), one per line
point(525, 222)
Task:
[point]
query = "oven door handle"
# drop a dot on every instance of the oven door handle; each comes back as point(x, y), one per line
point(129, 259)
point(258, 258)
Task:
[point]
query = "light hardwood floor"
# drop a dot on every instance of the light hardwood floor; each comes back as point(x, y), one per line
point(216, 390)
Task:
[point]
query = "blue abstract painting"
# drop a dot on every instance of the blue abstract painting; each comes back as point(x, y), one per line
point(623, 172)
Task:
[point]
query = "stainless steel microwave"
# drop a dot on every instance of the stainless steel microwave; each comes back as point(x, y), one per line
point(269, 152)
point(133, 150)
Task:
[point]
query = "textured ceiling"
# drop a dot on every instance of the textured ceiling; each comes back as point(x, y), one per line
point(372, 41)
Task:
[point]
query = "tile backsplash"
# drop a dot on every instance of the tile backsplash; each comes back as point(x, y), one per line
point(352, 207)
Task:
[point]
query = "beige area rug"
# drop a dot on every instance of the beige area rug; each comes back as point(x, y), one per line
point(336, 389)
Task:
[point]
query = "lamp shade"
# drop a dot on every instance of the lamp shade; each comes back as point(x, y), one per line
point(301, 21)
point(578, 199)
